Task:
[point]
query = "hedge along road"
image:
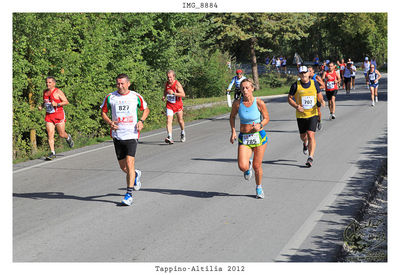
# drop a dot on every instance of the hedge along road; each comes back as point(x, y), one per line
point(194, 204)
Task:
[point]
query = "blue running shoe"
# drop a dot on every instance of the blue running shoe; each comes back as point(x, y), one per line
point(127, 200)
point(259, 193)
point(247, 174)
point(137, 184)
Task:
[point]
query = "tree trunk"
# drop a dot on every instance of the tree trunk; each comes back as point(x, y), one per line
point(32, 132)
point(254, 68)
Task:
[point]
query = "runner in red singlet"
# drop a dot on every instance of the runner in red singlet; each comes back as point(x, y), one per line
point(331, 78)
point(53, 101)
point(342, 66)
point(173, 93)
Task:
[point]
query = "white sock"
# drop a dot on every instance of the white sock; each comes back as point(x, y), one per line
point(183, 132)
point(169, 135)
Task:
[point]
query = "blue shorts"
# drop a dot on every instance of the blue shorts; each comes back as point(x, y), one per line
point(253, 140)
point(373, 85)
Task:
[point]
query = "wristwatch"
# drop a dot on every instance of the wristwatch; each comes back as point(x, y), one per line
point(141, 120)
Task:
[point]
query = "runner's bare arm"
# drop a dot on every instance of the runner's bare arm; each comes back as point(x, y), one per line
point(320, 98)
point(107, 120)
point(234, 111)
point(379, 75)
point(321, 82)
point(179, 90)
point(145, 114)
point(61, 96)
point(293, 103)
point(338, 77)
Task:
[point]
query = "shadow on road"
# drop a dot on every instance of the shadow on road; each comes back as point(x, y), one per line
point(348, 204)
point(191, 193)
point(62, 196)
point(284, 162)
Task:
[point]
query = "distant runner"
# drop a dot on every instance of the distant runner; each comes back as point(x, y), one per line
point(342, 66)
point(253, 116)
point(347, 73)
point(303, 96)
point(353, 76)
point(53, 101)
point(373, 77)
point(125, 129)
point(331, 78)
point(365, 67)
point(321, 83)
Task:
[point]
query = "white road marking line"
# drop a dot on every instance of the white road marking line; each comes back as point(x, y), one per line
point(105, 147)
point(304, 231)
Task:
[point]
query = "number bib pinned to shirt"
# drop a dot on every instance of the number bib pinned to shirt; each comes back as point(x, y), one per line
point(251, 139)
point(307, 102)
point(372, 77)
point(330, 85)
point(123, 113)
point(171, 98)
point(49, 107)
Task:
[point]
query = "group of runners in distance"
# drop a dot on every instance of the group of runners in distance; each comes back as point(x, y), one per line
point(125, 124)
point(276, 63)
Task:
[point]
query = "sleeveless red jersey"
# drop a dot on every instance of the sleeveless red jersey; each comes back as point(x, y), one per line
point(330, 81)
point(48, 99)
point(173, 101)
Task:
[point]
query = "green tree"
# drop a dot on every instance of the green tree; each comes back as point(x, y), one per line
point(260, 32)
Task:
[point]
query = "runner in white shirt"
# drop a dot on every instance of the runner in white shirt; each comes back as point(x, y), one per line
point(366, 66)
point(125, 129)
point(347, 77)
point(353, 76)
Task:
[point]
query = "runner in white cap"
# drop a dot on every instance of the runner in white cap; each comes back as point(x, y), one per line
point(366, 66)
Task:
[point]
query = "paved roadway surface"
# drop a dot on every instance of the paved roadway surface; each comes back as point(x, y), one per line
point(194, 205)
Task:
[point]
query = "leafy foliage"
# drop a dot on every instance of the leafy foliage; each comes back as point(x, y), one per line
point(85, 51)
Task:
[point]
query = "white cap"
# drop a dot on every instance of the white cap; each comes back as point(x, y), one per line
point(366, 58)
point(303, 69)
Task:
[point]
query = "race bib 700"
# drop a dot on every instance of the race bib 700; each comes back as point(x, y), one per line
point(307, 102)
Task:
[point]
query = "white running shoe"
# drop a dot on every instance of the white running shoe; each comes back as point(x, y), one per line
point(259, 193)
point(127, 200)
point(137, 184)
point(247, 174)
point(333, 116)
point(376, 99)
point(183, 137)
point(373, 103)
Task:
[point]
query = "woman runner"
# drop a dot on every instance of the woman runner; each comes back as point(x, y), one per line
point(253, 116)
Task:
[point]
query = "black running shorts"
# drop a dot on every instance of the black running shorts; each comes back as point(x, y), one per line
point(125, 148)
point(329, 94)
point(347, 80)
point(307, 124)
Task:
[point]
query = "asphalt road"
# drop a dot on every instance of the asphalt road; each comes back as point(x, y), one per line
point(194, 205)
